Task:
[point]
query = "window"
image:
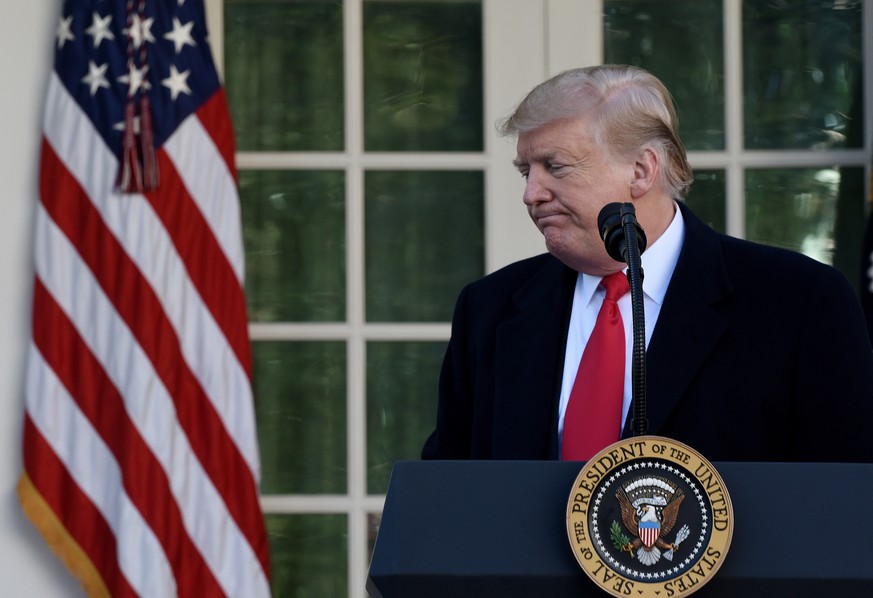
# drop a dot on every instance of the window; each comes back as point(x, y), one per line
point(373, 187)
point(360, 128)
point(771, 108)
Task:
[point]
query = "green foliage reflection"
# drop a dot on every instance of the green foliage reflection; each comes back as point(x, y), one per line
point(425, 235)
point(802, 69)
point(423, 76)
point(300, 405)
point(294, 234)
point(401, 399)
point(309, 555)
point(284, 74)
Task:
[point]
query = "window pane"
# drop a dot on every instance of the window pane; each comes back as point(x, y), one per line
point(401, 404)
point(423, 76)
point(680, 42)
point(294, 233)
point(795, 208)
point(424, 241)
point(707, 198)
point(284, 73)
point(802, 71)
point(300, 404)
point(308, 555)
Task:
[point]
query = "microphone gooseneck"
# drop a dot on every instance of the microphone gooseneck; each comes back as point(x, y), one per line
point(625, 240)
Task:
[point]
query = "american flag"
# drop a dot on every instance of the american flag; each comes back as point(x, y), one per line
point(140, 456)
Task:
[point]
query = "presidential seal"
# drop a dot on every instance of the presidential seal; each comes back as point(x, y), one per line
point(649, 517)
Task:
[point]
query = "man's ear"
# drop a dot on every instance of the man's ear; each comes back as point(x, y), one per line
point(645, 173)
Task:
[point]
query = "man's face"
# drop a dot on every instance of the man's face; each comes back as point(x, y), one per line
point(569, 178)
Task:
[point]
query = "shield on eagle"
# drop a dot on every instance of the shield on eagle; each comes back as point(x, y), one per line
point(649, 532)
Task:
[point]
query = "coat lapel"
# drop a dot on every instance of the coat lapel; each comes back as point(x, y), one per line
point(689, 326)
point(529, 360)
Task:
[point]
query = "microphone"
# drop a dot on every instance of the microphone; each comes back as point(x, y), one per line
point(612, 223)
point(625, 240)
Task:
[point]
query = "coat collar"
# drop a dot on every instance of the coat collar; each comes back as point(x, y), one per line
point(689, 325)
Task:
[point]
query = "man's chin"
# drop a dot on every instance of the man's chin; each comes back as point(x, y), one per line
point(572, 257)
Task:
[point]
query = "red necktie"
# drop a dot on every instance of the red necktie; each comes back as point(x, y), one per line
point(592, 420)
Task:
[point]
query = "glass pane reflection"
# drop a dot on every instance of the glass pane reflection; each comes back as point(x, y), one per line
point(401, 404)
point(707, 198)
point(802, 74)
point(795, 208)
point(680, 42)
point(300, 405)
point(424, 241)
point(308, 554)
point(294, 234)
point(423, 76)
point(284, 73)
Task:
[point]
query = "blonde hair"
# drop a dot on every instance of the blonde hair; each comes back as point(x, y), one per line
point(633, 111)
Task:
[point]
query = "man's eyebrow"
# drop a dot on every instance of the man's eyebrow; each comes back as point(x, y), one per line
point(540, 157)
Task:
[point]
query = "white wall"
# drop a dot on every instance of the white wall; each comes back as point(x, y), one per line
point(27, 567)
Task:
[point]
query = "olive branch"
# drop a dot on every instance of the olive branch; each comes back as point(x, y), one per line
point(619, 539)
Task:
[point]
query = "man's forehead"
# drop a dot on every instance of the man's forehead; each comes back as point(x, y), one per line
point(557, 132)
point(552, 148)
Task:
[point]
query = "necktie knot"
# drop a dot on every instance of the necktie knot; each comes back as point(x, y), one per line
point(616, 285)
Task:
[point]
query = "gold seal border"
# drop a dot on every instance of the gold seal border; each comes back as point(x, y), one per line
point(640, 448)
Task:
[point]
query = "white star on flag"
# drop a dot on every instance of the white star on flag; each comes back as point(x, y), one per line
point(64, 32)
point(135, 78)
point(119, 126)
point(140, 30)
point(99, 30)
point(96, 76)
point(177, 82)
point(180, 35)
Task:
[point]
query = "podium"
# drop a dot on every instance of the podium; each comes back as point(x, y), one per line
point(498, 528)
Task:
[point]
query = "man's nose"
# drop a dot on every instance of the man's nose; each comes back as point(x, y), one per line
point(534, 190)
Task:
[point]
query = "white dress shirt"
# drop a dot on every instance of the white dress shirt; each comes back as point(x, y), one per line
point(658, 262)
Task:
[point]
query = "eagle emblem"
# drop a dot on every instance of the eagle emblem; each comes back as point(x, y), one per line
point(649, 508)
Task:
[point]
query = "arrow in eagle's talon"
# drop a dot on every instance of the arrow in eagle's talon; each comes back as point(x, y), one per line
point(683, 533)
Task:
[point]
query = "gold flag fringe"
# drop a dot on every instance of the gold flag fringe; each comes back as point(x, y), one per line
point(59, 540)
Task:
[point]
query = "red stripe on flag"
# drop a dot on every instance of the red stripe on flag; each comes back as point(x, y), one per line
point(145, 481)
point(81, 519)
point(136, 303)
point(215, 117)
point(206, 263)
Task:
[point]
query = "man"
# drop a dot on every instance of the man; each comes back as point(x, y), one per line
point(753, 352)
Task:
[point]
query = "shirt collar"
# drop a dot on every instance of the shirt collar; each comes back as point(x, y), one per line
point(658, 262)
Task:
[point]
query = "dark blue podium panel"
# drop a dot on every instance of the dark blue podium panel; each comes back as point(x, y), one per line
point(498, 528)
